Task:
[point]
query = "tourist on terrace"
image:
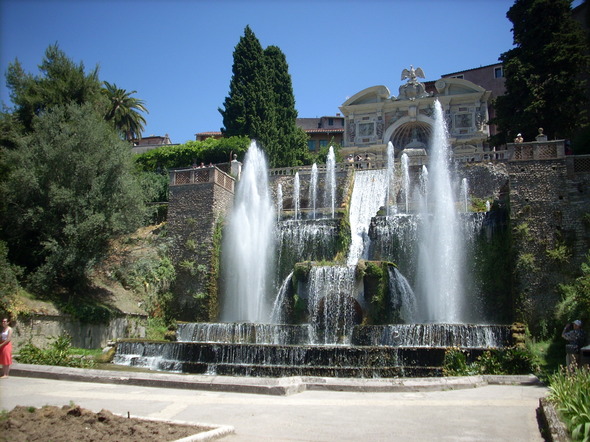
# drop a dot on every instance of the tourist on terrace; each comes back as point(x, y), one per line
point(576, 337)
point(519, 139)
point(5, 348)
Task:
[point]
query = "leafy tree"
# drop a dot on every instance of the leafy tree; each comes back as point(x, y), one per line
point(61, 82)
point(69, 190)
point(543, 85)
point(124, 111)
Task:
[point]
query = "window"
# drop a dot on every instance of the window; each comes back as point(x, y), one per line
point(330, 121)
point(311, 145)
point(323, 143)
point(460, 76)
point(498, 72)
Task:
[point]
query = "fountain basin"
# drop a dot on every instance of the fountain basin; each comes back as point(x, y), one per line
point(280, 360)
point(373, 359)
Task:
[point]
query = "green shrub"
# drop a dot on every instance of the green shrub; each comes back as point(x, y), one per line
point(59, 353)
point(455, 364)
point(509, 360)
point(570, 392)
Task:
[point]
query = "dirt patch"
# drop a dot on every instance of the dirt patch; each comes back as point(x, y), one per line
point(72, 423)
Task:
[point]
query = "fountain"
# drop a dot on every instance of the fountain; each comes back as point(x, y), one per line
point(440, 260)
point(401, 275)
point(390, 177)
point(331, 179)
point(465, 194)
point(249, 244)
point(313, 189)
point(296, 196)
point(406, 180)
point(279, 202)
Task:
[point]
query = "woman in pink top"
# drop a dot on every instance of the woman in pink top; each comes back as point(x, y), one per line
point(5, 348)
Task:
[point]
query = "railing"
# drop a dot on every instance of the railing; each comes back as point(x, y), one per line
point(536, 150)
point(200, 175)
point(578, 164)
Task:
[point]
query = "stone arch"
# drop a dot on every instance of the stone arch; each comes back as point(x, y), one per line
point(403, 131)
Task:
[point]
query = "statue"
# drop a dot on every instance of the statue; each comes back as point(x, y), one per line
point(412, 74)
point(413, 88)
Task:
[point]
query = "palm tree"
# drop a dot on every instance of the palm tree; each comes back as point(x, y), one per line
point(124, 111)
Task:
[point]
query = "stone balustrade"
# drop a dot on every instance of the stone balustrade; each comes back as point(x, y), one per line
point(199, 175)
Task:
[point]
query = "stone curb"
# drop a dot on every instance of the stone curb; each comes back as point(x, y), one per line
point(214, 432)
point(270, 386)
point(554, 430)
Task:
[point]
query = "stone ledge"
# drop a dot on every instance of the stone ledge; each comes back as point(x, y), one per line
point(554, 429)
point(284, 386)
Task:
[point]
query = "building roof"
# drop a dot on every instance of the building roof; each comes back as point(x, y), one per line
point(324, 130)
point(212, 133)
point(310, 125)
point(472, 69)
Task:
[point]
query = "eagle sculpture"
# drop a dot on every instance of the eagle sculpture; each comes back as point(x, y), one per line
point(412, 73)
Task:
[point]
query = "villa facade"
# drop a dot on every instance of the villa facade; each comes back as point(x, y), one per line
point(374, 117)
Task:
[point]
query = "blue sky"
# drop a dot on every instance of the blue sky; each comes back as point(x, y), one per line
point(178, 54)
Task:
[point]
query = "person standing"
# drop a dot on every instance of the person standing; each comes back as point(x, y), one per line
point(5, 348)
point(576, 337)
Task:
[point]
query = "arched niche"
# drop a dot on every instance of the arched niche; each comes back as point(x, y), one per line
point(409, 132)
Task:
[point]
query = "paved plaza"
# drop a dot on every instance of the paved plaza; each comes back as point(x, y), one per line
point(298, 409)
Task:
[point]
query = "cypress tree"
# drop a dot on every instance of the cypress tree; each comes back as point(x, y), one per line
point(543, 83)
point(248, 110)
point(261, 104)
point(290, 143)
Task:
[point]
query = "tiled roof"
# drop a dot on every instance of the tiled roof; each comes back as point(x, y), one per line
point(320, 130)
point(209, 133)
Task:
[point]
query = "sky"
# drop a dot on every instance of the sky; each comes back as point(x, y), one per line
point(178, 54)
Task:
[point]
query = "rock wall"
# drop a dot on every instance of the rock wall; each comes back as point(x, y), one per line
point(194, 214)
point(548, 207)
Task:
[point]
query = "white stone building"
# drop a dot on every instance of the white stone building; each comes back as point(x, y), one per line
point(374, 117)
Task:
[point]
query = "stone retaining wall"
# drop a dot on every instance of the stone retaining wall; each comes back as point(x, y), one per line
point(39, 329)
point(548, 208)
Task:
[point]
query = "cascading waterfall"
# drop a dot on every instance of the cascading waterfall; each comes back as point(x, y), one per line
point(313, 189)
point(296, 200)
point(368, 195)
point(277, 313)
point(440, 262)
point(247, 249)
point(306, 240)
point(331, 179)
point(402, 295)
point(437, 335)
point(406, 180)
point(330, 305)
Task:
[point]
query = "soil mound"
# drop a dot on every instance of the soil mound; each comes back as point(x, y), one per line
point(72, 423)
